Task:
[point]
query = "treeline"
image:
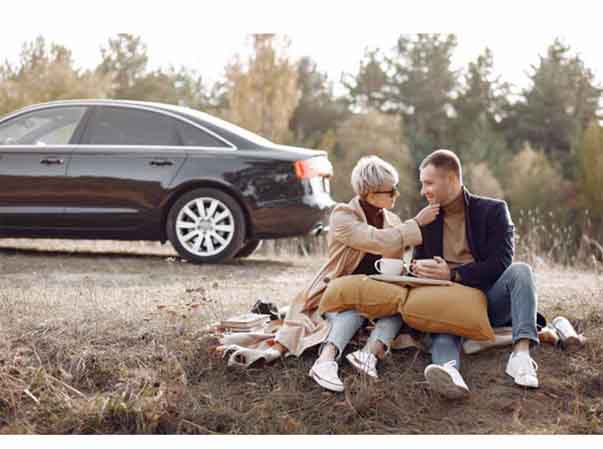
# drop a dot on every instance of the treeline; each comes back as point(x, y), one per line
point(540, 147)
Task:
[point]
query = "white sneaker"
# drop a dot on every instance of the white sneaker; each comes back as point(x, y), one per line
point(325, 375)
point(446, 380)
point(365, 362)
point(522, 368)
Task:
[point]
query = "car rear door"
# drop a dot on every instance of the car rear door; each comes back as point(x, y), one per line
point(35, 149)
point(120, 173)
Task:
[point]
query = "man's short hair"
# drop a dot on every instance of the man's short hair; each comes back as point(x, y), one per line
point(445, 159)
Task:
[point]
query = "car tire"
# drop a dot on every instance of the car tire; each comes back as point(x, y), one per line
point(248, 248)
point(206, 225)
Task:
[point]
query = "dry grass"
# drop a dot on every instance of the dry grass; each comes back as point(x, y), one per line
point(109, 337)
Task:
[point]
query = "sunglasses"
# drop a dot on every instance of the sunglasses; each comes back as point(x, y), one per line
point(392, 193)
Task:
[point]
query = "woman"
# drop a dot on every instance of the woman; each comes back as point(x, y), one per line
point(360, 232)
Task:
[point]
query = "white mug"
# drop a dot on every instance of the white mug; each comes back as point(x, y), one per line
point(389, 266)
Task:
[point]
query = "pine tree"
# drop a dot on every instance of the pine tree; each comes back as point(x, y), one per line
point(415, 82)
point(479, 108)
point(318, 111)
point(560, 103)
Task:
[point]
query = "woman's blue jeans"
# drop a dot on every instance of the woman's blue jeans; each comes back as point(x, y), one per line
point(345, 324)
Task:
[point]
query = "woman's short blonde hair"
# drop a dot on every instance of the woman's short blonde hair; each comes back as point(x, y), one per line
point(373, 174)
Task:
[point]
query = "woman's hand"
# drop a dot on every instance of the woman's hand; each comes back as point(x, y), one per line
point(427, 214)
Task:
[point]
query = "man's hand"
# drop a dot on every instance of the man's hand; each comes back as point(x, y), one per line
point(438, 269)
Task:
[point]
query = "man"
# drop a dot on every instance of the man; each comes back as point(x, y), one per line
point(471, 242)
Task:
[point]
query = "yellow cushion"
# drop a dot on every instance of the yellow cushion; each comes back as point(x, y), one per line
point(456, 309)
point(373, 299)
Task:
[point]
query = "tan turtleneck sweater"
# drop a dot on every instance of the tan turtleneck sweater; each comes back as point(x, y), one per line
point(455, 244)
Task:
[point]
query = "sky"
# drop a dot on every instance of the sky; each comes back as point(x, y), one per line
point(204, 36)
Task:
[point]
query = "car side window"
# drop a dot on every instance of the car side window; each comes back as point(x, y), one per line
point(129, 126)
point(52, 126)
point(191, 136)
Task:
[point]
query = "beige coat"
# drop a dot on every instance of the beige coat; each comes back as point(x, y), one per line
point(350, 237)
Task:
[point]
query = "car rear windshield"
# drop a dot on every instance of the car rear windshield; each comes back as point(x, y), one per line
point(227, 126)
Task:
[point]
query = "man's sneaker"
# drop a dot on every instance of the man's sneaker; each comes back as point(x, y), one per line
point(325, 375)
point(364, 361)
point(522, 368)
point(446, 380)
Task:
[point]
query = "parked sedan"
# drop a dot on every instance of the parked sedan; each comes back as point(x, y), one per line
point(127, 170)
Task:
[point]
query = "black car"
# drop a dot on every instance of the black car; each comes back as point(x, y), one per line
point(129, 170)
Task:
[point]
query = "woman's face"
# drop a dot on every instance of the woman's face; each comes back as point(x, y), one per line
point(383, 199)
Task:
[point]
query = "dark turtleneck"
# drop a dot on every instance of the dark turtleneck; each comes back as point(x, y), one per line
point(374, 217)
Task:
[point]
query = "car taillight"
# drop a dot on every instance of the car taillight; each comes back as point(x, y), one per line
point(315, 166)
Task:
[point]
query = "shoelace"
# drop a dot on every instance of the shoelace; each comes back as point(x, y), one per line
point(366, 363)
point(525, 370)
point(457, 378)
point(450, 364)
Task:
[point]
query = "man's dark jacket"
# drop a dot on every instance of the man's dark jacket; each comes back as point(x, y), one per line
point(490, 234)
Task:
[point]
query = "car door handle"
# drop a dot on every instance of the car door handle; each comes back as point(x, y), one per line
point(160, 163)
point(52, 161)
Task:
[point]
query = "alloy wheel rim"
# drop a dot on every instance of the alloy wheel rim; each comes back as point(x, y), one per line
point(205, 226)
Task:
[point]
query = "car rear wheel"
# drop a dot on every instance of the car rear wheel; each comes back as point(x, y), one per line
point(206, 226)
point(248, 248)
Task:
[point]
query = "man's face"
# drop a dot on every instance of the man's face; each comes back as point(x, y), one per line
point(438, 186)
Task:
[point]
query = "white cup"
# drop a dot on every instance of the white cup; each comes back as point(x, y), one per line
point(389, 266)
point(429, 263)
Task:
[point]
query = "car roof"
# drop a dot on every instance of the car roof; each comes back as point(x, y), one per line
point(107, 102)
point(203, 118)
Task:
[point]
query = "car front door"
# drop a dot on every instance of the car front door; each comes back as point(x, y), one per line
point(35, 149)
point(120, 173)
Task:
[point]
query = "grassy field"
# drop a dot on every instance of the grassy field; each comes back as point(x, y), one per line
point(109, 337)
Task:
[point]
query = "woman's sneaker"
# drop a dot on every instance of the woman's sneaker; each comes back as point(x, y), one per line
point(325, 375)
point(446, 380)
point(365, 362)
point(522, 368)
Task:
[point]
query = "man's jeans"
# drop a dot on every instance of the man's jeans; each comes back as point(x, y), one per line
point(512, 298)
point(345, 324)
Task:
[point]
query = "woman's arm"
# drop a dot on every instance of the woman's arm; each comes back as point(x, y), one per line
point(352, 231)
